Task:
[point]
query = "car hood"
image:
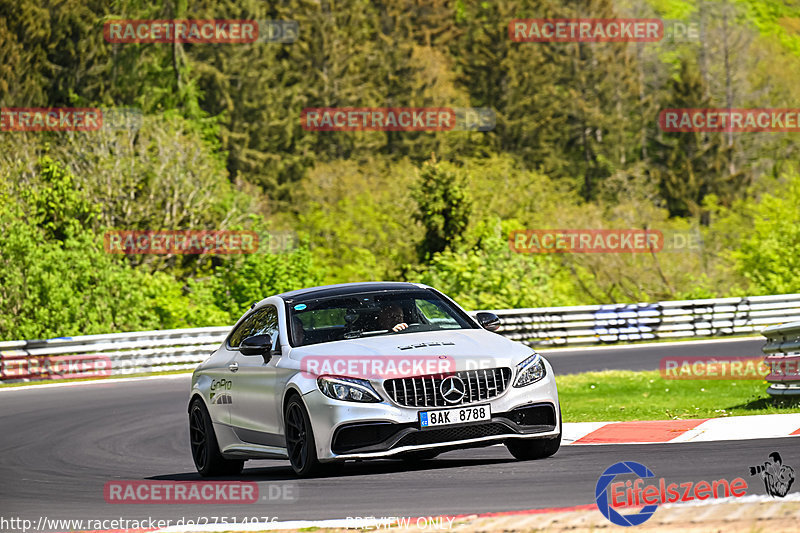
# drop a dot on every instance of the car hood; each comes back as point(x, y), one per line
point(466, 348)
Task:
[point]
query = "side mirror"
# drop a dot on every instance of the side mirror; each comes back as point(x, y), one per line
point(257, 345)
point(488, 321)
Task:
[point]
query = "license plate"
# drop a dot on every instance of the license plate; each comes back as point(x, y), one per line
point(457, 415)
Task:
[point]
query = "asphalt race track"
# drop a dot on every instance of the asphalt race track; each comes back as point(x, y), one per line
point(60, 445)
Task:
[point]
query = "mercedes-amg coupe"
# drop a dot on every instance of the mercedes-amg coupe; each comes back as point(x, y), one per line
point(328, 374)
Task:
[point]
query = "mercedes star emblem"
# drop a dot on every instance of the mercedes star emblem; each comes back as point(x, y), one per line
point(453, 389)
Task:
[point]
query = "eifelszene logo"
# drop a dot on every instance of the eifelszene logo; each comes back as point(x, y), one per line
point(611, 495)
point(601, 493)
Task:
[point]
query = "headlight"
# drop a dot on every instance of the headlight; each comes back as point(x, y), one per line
point(348, 389)
point(530, 371)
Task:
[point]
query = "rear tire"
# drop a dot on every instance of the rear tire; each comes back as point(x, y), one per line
point(205, 451)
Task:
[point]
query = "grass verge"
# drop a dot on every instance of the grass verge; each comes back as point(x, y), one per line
point(620, 395)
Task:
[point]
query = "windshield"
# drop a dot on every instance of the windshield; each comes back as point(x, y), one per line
point(370, 314)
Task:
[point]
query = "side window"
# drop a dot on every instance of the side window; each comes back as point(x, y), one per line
point(263, 321)
point(267, 324)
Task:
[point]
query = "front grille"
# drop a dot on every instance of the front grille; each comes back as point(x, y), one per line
point(433, 436)
point(425, 391)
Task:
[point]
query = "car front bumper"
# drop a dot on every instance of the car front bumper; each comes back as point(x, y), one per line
point(350, 430)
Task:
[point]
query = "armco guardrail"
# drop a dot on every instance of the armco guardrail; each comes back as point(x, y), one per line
point(115, 354)
point(589, 325)
point(783, 356)
point(182, 349)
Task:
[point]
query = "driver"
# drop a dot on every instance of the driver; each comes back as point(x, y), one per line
point(391, 318)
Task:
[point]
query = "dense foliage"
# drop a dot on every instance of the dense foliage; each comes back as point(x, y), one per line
point(221, 146)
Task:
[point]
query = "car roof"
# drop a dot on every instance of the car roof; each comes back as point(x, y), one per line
point(342, 289)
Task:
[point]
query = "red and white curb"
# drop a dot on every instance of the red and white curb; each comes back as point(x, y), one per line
point(690, 430)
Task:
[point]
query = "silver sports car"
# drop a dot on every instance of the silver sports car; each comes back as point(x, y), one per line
point(367, 370)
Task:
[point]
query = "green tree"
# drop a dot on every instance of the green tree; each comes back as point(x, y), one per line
point(358, 218)
point(443, 206)
point(492, 276)
point(240, 281)
point(768, 235)
point(690, 165)
point(56, 204)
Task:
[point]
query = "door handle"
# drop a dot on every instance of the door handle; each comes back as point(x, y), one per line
point(233, 367)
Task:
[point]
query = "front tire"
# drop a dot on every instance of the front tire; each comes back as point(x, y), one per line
point(530, 449)
point(300, 444)
point(205, 451)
